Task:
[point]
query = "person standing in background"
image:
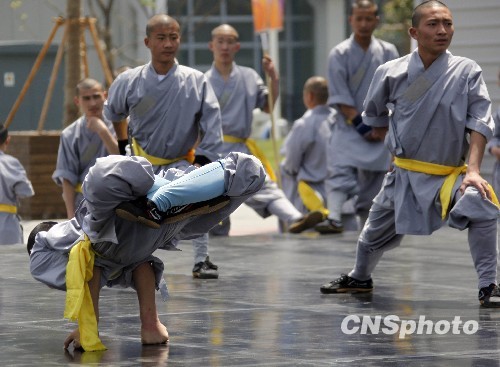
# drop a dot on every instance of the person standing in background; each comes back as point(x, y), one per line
point(14, 185)
point(357, 159)
point(86, 139)
point(169, 114)
point(240, 90)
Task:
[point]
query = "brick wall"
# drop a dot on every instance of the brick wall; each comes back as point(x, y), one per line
point(37, 151)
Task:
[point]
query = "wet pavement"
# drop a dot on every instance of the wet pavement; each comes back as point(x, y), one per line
point(266, 308)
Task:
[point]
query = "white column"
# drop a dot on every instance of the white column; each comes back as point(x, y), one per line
point(329, 30)
point(275, 56)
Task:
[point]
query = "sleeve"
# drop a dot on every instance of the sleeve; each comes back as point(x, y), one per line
point(48, 266)
point(479, 105)
point(22, 186)
point(49, 255)
point(67, 160)
point(116, 107)
point(337, 80)
point(375, 111)
point(295, 145)
point(262, 91)
point(210, 123)
point(495, 141)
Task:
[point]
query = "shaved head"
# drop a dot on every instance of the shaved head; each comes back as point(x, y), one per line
point(159, 20)
point(318, 86)
point(225, 30)
point(417, 12)
point(364, 4)
point(86, 84)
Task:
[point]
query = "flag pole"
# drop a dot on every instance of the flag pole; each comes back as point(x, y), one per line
point(270, 102)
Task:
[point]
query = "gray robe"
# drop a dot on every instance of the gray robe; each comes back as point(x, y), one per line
point(495, 142)
point(79, 148)
point(14, 185)
point(350, 71)
point(243, 92)
point(429, 122)
point(305, 150)
point(167, 117)
point(122, 245)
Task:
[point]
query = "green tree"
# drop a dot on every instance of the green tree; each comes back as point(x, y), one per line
point(395, 24)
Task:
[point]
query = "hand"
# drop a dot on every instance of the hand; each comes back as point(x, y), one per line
point(268, 65)
point(475, 179)
point(95, 124)
point(73, 337)
point(378, 133)
point(495, 151)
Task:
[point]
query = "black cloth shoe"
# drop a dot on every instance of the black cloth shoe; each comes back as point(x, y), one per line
point(346, 284)
point(145, 211)
point(489, 296)
point(306, 222)
point(329, 226)
point(205, 270)
point(140, 210)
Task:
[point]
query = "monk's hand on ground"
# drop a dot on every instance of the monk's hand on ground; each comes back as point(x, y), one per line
point(475, 179)
point(73, 337)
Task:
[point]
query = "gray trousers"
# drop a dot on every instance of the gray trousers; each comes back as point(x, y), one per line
point(346, 182)
point(469, 211)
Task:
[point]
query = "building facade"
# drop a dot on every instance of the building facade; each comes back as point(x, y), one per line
point(311, 29)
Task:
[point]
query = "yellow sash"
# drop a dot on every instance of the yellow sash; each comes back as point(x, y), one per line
point(157, 161)
point(79, 304)
point(312, 201)
point(7, 208)
point(439, 170)
point(78, 187)
point(254, 149)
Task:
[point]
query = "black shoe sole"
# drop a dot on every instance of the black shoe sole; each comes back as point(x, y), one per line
point(328, 230)
point(205, 276)
point(205, 209)
point(489, 304)
point(345, 290)
point(124, 214)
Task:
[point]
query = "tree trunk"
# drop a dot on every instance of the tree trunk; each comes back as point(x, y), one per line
point(73, 60)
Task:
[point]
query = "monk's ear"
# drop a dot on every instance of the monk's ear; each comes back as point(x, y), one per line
point(412, 32)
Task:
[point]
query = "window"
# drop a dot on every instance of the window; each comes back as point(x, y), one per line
point(199, 17)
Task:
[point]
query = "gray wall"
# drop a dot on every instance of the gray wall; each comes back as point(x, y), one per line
point(16, 61)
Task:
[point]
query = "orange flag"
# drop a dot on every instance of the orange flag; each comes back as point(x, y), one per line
point(267, 15)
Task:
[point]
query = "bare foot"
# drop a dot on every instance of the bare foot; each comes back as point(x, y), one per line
point(154, 334)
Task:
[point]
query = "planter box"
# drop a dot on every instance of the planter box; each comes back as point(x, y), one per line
point(37, 151)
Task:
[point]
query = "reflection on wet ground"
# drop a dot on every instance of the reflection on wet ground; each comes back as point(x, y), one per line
point(266, 309)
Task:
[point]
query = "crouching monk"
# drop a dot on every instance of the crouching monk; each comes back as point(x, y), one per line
point(127, 213)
